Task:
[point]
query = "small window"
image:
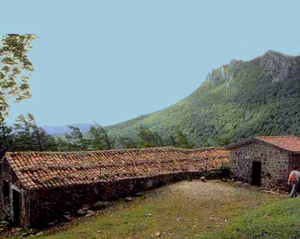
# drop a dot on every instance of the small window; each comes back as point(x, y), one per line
point(5, 189)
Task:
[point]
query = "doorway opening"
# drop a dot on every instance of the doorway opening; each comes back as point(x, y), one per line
point(16, 207)
point(256, 173)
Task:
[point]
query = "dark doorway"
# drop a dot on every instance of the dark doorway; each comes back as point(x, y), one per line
point(16, 207)
point(256, 173)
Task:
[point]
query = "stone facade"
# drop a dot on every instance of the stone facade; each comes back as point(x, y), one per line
point(49, 205)
point(276, 163)
point(6, 198)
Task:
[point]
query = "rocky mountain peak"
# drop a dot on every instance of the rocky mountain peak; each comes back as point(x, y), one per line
point(279, 66)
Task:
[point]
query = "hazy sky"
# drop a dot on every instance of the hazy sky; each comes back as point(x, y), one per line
point(111, 61)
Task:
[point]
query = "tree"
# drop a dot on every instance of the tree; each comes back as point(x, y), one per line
point(5, 134)
point(39, 138)
point(179, 139)
point(99, 137)
point(28, 136)
point(75, 139)
point(21, 139)
point(62, 145)
point(126, 142)
point(43, 140)
point(147, 138)
point(14, 69)
point(34, 132)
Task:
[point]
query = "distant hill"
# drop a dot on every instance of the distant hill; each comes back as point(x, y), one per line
point(63, 129)
point(238, 100)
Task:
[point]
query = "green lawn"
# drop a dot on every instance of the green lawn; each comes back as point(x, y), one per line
point(280, 220)
point(182, 210)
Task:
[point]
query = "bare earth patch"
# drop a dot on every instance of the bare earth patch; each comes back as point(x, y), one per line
point(181, 210)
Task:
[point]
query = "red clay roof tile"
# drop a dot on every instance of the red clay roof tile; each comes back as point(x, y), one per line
point(39, 170)
point(290, 142)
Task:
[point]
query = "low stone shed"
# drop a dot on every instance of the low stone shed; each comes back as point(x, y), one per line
point(265, 161)
point(38, 187)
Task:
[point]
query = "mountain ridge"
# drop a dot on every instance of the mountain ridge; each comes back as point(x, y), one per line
point(236, 100)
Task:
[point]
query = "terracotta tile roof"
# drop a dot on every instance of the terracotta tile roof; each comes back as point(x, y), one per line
point(207, 159)
point(289, 143)
point(37, 170)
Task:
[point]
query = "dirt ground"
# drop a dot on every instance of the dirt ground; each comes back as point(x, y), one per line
point(187, 209)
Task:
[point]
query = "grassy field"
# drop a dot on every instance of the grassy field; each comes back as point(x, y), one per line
point(182, 210)
point(280, 220)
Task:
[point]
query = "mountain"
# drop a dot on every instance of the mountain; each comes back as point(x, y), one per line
point(63, 129)
point(238, 100)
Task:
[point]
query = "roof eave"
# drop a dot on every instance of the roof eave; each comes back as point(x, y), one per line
point(248, 141)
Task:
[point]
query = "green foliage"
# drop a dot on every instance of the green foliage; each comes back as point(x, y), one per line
point(5, 134)
point(224, 167)
point(148, 139)
point(14, 69)
point(180, 140)
point(237, 101)
point(95, 139)
point(22, 140)
point(99, 137)
point(75, 138)
point(125, 142)
point(63, 145)
point(27, 135)
point(276, 221)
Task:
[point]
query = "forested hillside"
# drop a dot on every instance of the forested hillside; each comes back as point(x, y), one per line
point(238, 100)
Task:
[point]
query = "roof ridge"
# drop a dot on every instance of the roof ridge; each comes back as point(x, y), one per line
point(154, 149)
point(94, 151)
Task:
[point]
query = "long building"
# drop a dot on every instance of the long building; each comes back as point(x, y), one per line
point(38, 187)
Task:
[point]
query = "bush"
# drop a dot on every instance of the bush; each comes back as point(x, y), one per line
point(225, 170)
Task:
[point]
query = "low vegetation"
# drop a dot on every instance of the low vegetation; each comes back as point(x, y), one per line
point(279, 220)
point(182, 210)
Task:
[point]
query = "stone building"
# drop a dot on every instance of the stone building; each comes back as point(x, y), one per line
point(265, 161)
point(38, 187)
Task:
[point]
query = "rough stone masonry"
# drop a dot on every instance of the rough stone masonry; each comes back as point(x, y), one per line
point(38, 187)
point(277, 155)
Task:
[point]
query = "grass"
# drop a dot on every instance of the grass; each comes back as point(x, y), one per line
point(279, 220)
point(182, 210)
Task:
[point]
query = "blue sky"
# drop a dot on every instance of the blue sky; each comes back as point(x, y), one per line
point(111, 61)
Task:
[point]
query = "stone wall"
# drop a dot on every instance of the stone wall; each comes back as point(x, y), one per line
point(274, 163)
point(48, 205)
point(6, 201)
